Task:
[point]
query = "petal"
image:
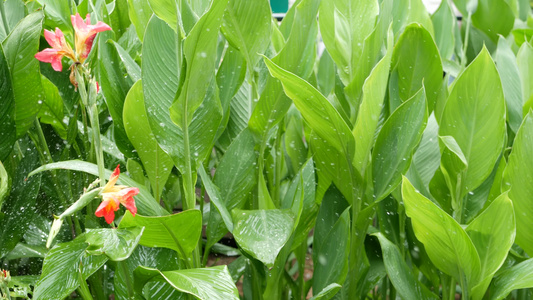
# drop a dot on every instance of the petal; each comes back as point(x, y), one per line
point(47, 55)
point(78, 24)
point(88, 19)
point(51, 38)
point(107, 209)
point(112, 179)
point(99, 27)
point(126, 198)
point(88, 46)
point(56, 63)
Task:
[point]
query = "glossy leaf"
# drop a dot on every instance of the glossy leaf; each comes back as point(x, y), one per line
point(215, 198)
point(262, 233)
point(117, 244)
point(140, 13)
point(179, 232)
point(19, 48)
point(494, 18)
point(8, 134)
point(145, 202)
point(524, 59)
point(396, 144)
point(156, 162)
point(52, 108)
point(444, 25)
point(401, 276)
point(166, 10)
point(415, 63)
point(474, 116)
point(517, 277)
point(519, 171)
point(205, 284)
point(493, 234)
point(447, 244)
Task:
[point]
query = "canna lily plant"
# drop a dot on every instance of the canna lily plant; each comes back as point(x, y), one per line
point(390, 160)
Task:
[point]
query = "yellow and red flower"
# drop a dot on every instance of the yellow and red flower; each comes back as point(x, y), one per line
point(85, 34)
point(59, 49)
point(113, 195)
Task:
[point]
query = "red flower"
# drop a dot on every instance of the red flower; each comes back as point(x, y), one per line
point(85, 34)
point(59, 49)
point(113, 195)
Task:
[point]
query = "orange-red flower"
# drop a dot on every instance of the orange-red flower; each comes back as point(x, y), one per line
point(59, 49)
point(85, 34)
point(113, 195)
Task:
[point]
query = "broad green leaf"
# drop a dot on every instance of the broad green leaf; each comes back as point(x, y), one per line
point(216, 199)
point(327, 292)
point(374, 90)
point(493, 234)
point(66, 264)
point(396, 143)
point(447, 244)
point(246, 26)
point(235, 177)
point(19, 48)
point(19, 207)
point(401, 276)
point(444, 24)
point(325, 74)
point(524, 59)
point(199, 49)
point(4, 184)
point(160, 83)
point(507, 67)
point(116, 244)
point(14, 12)
point(517, 277)
point(146, 204)
point(140, 13)
point(8, 134)
point(344, 25)
point(119, 18)
point(52, 109)
point(114, 88)
point(406, 12)
point(518, 172)
point(297, 56)
point(474, 116)
point(240, 111)
point(133, 69)
point(160, 258)
point(166, 10)
point(57, 14)
point(415, 63)
point(213, 283)
point(179, 232)
point(155, 161)
point(494, 17)
point(262, 233)
point(331, 245)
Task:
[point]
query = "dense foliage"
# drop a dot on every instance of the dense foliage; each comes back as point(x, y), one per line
point(395, 163)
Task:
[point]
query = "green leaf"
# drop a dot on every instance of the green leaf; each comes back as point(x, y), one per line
point(52, 109)
point(199, 49)
point(15, 9)
point(524, 59)
point(262, 233)
point(119, 18)
point(331, 245)
point(236, 178)
point(166, 10)
point(63, 264)
point(493, 234)
point(519, 171)
point(4, 184)
point(140, 13)
point(216, 199)
point(179, 232)
point(374, 90)
point(447, 244)
point(19, 48)
point(344, 25)
point(415, 63)
point(405, 12)
point(213, 283)
point(246, 26)
point(57, 14)
point(401, 276)
point(117, 244)
point(160, 83)
point(517, 277)
point(474, 116)
point(396, 143)
point(19, 207)
point(444, 24)
point(156, 162)
point(322, 118)
point(133, 69)
point(327, 292)
point(494, 18)
point(297, 56)
point(8, 134)
point(146, 204)
point(507, 67)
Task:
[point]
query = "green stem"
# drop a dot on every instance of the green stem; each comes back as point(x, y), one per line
point(84, 291)
point(97, 142)
point(467, 35)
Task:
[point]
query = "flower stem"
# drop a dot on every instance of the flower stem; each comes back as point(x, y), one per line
point(84, 291)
